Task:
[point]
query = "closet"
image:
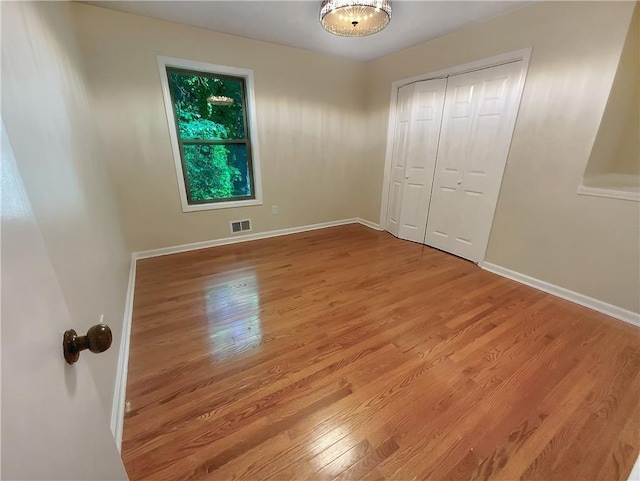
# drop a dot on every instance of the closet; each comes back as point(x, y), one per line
point(450, 146)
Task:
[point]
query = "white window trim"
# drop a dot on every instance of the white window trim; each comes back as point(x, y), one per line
point(163, 63)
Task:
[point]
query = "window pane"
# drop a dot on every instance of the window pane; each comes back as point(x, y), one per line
point(217, 172)
point(207, 107)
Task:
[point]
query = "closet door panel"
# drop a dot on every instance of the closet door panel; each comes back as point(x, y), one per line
point(400, 146)
point(424, 133)
point(487, 132)
point(411, 219)
point(488, 150)
point(479, 115)
point(457, 124)
point(468, 223)
point(443, 221)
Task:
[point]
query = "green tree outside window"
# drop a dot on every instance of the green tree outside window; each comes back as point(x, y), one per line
point(210, 115)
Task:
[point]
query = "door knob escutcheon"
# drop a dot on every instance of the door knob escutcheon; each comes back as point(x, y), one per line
point(98, 339)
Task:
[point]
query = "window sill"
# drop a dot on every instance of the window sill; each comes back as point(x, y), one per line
point(612, 186)
point(221, 205)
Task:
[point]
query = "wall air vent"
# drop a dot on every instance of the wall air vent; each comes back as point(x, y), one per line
point(240, 226)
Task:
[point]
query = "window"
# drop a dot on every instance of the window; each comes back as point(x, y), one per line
point(211, 120)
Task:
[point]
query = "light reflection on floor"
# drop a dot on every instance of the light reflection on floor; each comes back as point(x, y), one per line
point(233, 311)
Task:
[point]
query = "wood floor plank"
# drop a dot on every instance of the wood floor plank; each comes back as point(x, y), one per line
point(347, 354)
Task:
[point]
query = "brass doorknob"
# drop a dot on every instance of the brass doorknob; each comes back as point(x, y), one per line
point(98, 339)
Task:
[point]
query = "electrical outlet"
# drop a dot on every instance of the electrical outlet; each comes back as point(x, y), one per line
point(274, 209)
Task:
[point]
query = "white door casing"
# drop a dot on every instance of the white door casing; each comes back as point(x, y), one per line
point(479, 116)
point(416, 144)
point(53, 424)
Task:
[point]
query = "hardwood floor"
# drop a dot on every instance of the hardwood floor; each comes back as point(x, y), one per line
point(348, 354)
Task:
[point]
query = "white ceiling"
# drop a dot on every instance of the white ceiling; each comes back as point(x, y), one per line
point(296, 24)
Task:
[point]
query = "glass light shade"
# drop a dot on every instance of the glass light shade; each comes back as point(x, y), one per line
point(355, 18)
point(220, 100)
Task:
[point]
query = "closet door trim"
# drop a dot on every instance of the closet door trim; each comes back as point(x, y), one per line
point(523, 55)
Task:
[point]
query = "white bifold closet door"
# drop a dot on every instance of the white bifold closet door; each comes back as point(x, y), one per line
point(479, 115)
point(418, 119)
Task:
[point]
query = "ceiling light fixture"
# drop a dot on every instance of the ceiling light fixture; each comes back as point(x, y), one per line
point(355, 18)
point(220, 100)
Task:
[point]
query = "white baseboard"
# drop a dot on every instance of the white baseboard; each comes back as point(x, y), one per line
point(120, 391)
point(163, 251)
point(369, 224)
point(590, 302)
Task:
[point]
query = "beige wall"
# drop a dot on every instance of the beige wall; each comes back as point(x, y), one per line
point(322, 129)
point(617, 145)
point(46, 112)
point(542, 227)
point(319, 163)
point(309, 112)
